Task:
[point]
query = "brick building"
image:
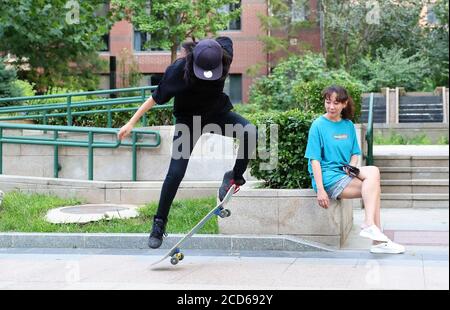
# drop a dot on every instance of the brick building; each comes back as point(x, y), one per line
point(248, 50)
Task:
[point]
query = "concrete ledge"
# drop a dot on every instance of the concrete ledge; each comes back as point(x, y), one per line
point(139, 241)
point(414, 151)
point(99, 192)
point(288, 212)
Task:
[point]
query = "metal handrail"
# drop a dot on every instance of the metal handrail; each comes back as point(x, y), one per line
point(45, 116)
point(87, 93)
point(90, 143)
point(69, 106)
point(369, 133)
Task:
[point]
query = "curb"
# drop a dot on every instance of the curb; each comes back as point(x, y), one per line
point(139, 241)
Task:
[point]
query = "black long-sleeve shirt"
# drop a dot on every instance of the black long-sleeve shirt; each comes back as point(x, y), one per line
point(199, 98)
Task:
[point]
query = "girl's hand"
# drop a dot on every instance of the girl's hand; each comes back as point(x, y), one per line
point(125, 131)
point(346, 170)
point(322, 198)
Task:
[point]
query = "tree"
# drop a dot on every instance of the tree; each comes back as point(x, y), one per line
point(282, 24)
point(129, 74)
point(7, 77)
point(354, 29)
point(297, 80)
point(57, 40)
point(391, 68)
point(275, 20)
point(435, 46)
point(169, 22)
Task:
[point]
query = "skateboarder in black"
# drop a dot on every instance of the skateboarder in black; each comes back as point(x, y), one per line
point(196, 81)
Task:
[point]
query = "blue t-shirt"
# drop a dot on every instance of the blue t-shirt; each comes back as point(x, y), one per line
point(332, 144)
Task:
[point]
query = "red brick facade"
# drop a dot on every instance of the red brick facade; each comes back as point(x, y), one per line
point(248, 50)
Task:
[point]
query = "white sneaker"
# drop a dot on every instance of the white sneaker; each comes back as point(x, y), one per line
point(374, 233)
point(389, 247)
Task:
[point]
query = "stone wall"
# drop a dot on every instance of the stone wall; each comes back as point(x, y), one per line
point(288, 212)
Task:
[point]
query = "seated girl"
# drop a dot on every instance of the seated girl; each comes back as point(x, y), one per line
point(332, 144)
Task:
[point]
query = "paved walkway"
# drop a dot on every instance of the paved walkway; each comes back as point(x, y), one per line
point(410, 227)
point(425, 265)
point(121, 269)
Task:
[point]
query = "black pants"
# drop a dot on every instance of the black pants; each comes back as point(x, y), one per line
point(187, 132)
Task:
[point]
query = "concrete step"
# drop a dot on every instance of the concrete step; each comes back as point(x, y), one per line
point(409, 173)
point(389, 200)
point(415, 186)
point(139, 241)
point(410, 161)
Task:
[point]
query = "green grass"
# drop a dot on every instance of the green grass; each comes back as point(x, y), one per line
point(396, 139)
point(443, 140)
point(22, 212)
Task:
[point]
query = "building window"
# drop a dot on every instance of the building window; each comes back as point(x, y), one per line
point(299, 10)
point(151, 79)
point(105, 41)
point(234, 24)
point(233, 88)
point(140, 40)
point(102, 11)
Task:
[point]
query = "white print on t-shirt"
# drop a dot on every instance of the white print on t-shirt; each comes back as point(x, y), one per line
point(340, 136)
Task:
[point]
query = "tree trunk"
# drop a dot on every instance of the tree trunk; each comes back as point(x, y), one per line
point(337, 55)
point(346, 51)
point(173, 52)
point(322, 15)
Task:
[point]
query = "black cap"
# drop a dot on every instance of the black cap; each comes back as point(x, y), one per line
point(208, 60)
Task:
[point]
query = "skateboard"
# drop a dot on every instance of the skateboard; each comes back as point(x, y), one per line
point(175, 253)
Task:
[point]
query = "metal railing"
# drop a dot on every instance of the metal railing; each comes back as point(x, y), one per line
point(56, 141)
point(369, 133)
point(43, 111)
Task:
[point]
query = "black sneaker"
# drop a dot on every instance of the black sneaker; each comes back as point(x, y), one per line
point(227, 182)
point(157, 234)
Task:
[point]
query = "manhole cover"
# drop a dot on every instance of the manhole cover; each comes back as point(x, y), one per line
point(90, 213)
point(92, 209)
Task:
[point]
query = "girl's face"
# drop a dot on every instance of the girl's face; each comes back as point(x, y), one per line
point(333, 107)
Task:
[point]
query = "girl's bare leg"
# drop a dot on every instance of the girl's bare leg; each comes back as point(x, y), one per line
point(367, 186)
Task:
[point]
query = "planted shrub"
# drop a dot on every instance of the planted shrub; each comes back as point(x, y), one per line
point(291, 168)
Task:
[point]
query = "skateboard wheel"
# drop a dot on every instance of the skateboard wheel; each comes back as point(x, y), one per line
point(228, 212)
point(180, 256)
point(223, 213)
point(174, 260)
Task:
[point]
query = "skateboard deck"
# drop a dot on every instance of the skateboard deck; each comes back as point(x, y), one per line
point(219, 210)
